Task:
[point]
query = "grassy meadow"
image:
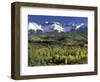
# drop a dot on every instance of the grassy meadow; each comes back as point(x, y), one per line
point(57, 48)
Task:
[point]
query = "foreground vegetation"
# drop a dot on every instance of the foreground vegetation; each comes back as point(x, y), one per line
point(57, 49)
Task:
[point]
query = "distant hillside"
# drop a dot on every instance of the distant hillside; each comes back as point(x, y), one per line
point(76, 37)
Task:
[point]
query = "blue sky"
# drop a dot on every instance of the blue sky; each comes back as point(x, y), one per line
point(40, 19)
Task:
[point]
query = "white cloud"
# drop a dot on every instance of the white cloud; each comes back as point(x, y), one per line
point(46, 22)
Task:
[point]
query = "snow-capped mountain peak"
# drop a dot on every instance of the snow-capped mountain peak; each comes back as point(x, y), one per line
point(57, 26)
point(34, 26)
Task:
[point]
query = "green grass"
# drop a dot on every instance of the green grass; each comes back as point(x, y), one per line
point(40, 54)
point(57, 49)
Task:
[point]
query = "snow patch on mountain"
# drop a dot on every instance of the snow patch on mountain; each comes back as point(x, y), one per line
point(78, 26)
